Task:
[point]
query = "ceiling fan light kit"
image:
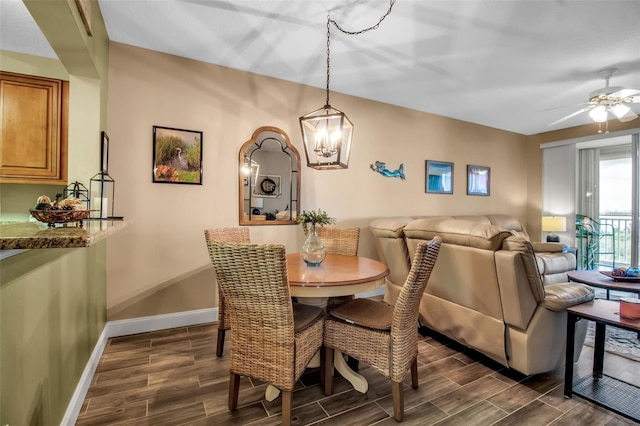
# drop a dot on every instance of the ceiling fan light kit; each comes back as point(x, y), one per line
point(609, 99)
point(621, 111)
point(599, 114)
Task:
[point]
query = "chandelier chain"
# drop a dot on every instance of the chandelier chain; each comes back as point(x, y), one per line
point(328, 55)
point(374, 27)
point(331, 21)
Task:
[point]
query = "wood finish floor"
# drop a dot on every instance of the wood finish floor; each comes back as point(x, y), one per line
point(172, 377)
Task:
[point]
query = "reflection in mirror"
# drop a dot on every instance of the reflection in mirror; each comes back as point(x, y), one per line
point(269, 178)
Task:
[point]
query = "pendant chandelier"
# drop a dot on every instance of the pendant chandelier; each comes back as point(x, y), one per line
point(327, 132)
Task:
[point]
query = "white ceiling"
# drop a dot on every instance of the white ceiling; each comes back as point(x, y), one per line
point(498, 63)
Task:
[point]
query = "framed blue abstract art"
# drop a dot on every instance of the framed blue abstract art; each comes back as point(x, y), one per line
point(478, 180)
point(439, 177)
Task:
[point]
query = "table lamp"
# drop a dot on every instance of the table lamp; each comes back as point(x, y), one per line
point(552, 224)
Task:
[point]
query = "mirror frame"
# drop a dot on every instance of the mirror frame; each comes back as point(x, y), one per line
point(287, 148)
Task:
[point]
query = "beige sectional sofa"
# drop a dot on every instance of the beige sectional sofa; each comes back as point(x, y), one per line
point(489, 290)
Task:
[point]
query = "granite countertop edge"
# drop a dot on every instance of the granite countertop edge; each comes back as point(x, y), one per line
point(32, 235)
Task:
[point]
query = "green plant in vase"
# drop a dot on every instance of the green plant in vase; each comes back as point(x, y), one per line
point(313, 218)
point(313, 251)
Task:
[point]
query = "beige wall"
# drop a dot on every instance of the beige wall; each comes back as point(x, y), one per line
point(159, 263)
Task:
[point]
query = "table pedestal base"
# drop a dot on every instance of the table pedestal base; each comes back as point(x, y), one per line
point(358, 382)
point(271, 393)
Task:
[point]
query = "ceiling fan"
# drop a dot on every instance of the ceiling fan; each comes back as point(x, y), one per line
point(612, 100)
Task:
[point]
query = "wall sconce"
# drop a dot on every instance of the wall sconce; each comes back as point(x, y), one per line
point(552, 224)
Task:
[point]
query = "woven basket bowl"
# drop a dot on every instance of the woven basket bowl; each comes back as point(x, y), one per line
point(59, 216)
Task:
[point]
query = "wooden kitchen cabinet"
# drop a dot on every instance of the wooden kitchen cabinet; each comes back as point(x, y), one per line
point(34, 129)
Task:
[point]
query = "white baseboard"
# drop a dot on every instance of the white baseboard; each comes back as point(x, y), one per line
point(124, 328)
point(161, 322)
point(73, 409)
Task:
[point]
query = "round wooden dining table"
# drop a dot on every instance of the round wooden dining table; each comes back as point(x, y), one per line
point(337, 275)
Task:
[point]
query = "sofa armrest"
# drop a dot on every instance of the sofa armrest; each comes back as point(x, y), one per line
point(559, 297)
point(540, 246)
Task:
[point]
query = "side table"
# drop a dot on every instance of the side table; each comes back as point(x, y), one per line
point(606, 391)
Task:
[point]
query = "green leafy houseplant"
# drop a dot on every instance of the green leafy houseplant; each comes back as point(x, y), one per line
point(319, 218)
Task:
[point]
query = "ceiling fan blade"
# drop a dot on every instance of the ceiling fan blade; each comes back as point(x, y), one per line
point(580, 111)
point(628, 117)
point(624, 93)
point(635, 100)
point(567, 106)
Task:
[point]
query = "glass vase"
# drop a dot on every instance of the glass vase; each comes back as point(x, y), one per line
point(313, 251)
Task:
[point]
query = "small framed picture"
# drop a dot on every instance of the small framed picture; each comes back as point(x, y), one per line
point(478, 180)
point(177, 155)
point(439, 177)
point(104, 154)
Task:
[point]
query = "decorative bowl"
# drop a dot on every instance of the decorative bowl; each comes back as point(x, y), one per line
point(51, 216)
point(620, 277)
point(630, 308)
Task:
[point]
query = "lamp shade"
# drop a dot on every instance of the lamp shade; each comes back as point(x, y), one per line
point(327, 134)
point(554, 223)
point(257, 202)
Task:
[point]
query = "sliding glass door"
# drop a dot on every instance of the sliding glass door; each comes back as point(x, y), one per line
point(607, 204)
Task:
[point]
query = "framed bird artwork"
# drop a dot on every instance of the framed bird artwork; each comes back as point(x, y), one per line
point(177, 155)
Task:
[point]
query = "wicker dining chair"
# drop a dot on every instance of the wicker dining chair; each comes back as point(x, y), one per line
point(339, 240)
point(380, 335)
point(229, 235)
point(273, 339)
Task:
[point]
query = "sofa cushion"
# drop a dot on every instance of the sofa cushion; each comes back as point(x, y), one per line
point(475, 218)
point(459, 232)
point(391, 227)
point(508, 222)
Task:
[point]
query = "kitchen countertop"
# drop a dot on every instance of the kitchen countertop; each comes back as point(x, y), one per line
point(36, 235)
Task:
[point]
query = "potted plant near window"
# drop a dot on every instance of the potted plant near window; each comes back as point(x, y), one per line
point(313, 251)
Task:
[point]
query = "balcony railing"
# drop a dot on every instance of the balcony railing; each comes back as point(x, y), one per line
point(613, 249)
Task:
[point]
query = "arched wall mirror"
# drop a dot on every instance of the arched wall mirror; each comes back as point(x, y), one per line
point(269, 179)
